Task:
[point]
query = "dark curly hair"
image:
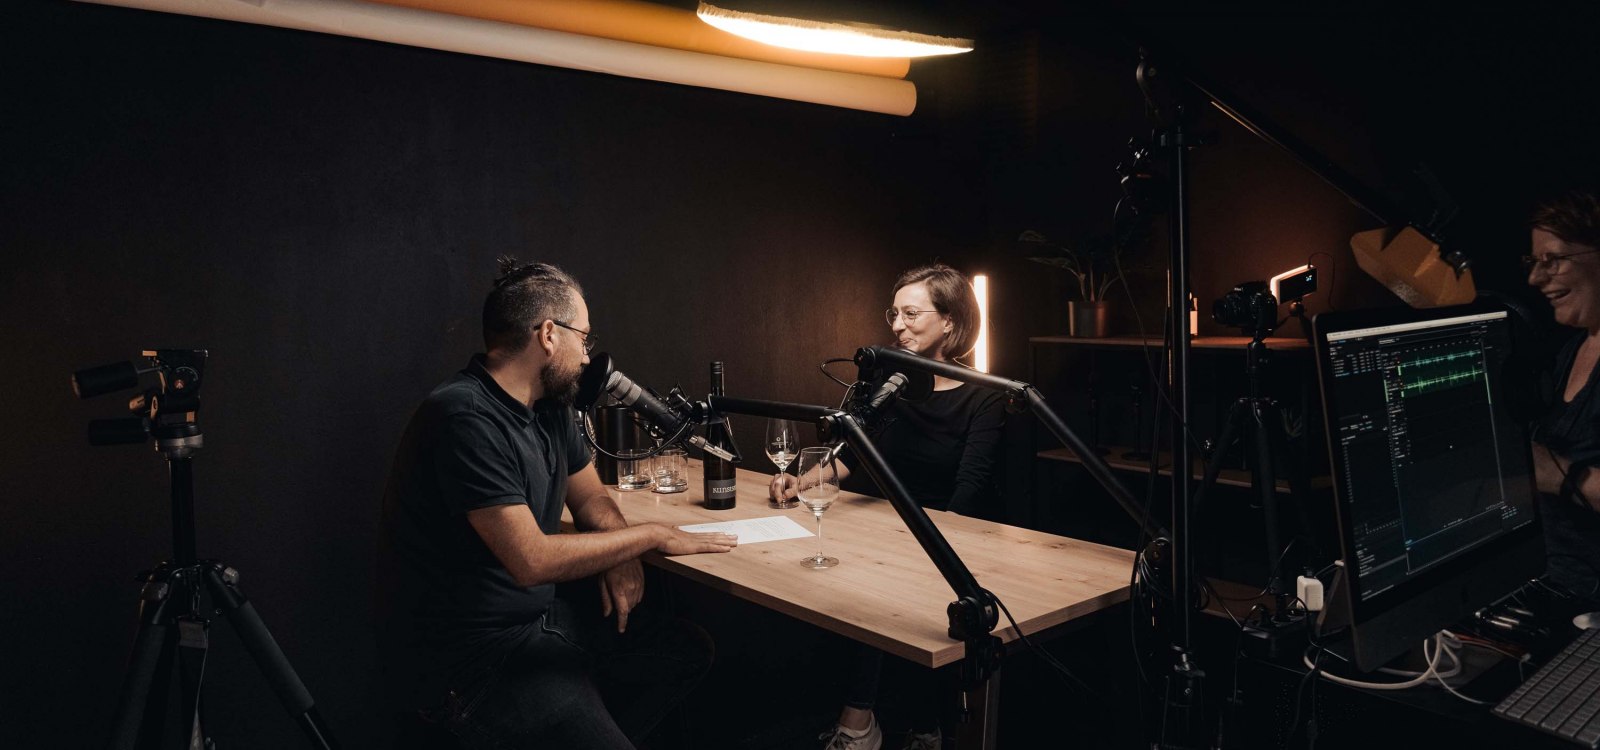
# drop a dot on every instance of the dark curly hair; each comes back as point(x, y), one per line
point(1573, 215)
point(524, 296)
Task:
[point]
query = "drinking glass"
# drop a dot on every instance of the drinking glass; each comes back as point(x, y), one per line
point(633, 469)
point(819, 487)
point(782, 443)
point(671, 471)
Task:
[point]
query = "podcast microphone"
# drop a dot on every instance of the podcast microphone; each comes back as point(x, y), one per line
point(662, 420)
point(890, 386)
point(909, 384)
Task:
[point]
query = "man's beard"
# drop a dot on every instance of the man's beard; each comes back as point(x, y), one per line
point(560, 383)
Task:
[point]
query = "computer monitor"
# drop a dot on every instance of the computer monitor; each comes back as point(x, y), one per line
point(1431, 476)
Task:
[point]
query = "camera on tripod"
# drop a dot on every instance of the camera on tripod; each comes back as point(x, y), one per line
point(1252, 306)
point(166, 410)
point(181, 596)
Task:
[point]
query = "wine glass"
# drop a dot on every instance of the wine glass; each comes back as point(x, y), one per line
point(819, 487)
point(782, 443)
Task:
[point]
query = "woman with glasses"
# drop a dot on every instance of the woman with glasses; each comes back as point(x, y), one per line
point(945, 449)
point(1565, 267)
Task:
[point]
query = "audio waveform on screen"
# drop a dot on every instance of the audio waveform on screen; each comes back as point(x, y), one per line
point(1435, 373)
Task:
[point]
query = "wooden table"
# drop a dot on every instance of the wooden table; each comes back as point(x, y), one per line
point(885, 592)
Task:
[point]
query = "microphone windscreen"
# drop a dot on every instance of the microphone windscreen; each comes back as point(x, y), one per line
point(592, 383)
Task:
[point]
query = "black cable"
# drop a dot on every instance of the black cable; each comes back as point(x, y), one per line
point(1238, 655)
point(1333, 273)
point(1299, 696)
point(824, 368)
point(1044, 655)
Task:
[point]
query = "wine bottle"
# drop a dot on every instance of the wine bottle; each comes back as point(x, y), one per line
point(720, 482)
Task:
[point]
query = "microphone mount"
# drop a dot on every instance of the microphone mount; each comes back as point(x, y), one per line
point(1019, 396)
point(670, 419)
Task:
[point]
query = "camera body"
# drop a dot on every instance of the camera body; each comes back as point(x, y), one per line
point(1250, 307)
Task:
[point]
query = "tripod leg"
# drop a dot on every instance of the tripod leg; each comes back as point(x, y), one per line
point(1220, 451)
point(1266, 486)
point(151, 652)
point(1299, 477)
point(193, 647)
point(269, 658)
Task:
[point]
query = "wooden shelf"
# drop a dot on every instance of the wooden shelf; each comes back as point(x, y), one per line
point(1202, 342)
point(1117, 458)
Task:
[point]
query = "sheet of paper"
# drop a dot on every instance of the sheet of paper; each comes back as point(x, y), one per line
point(752, 530)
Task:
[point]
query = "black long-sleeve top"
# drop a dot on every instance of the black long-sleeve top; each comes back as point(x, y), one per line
point(945, 449)
point(1572, 430)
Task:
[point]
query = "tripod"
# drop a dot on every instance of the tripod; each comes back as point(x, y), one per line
point(1259, 416)
point(172, 622)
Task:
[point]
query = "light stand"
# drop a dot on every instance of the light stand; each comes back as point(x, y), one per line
point(171, 619)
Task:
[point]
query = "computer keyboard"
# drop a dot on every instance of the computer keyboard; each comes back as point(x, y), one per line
point(1563, 697)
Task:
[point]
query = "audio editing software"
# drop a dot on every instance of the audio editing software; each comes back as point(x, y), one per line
point(1416, 398)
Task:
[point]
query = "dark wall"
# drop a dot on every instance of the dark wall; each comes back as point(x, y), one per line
point(322, 214)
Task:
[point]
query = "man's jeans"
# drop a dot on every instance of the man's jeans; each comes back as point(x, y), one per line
point(571, 681)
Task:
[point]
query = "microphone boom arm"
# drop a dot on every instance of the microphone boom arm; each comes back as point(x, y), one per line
point(975, 612)
point(1023, 394)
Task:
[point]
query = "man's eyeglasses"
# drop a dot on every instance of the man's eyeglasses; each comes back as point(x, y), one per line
point(1553, 265)
point(588, 338)
point(910, 314)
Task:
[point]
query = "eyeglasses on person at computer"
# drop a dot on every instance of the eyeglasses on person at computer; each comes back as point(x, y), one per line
point(1553, 265)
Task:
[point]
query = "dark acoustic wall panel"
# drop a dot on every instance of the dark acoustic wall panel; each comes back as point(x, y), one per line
point(323, 214)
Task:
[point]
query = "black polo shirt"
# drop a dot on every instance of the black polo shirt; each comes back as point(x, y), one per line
point(469, 445)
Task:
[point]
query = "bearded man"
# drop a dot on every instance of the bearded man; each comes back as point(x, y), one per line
point(473, 635)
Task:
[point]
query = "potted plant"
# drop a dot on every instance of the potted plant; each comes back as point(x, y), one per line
point(1097, 266)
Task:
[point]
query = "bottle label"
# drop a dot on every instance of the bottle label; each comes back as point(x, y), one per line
point(720, 491)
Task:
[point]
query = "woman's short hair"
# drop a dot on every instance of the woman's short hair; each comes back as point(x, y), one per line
point(952, 295)
point(1573, 215)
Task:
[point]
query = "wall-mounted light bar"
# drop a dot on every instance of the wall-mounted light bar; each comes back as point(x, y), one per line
point(980, 355)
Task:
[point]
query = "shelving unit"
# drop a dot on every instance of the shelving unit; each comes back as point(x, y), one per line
point(1092, 381)
point(1117, 458)
point(1199, 342)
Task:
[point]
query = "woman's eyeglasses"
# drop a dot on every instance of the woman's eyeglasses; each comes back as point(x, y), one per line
point(910, 314)
point(1553, 265)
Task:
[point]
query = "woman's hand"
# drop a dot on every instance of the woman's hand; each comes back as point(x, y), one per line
point(783, 487)
point(1547, 472)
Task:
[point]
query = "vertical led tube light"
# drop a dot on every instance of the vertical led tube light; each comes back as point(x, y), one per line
point(980, 355)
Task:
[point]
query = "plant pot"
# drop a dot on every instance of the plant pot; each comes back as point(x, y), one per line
point(1089, 319)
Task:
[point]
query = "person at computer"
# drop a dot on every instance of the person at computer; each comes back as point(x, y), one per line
point(474, 637)
point(1564, 265)
point(945, 450)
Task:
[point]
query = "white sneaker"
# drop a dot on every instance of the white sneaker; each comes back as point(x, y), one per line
point(842, 738)
point(924, 741)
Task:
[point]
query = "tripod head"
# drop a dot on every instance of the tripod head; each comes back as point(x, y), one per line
point(167, 410)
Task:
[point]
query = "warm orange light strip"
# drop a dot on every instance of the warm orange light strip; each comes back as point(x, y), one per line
point(511, 41)
point(648, 23)
point(980, 355)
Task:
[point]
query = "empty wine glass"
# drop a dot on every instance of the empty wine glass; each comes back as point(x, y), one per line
point(782, 444)
point(819, 487)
